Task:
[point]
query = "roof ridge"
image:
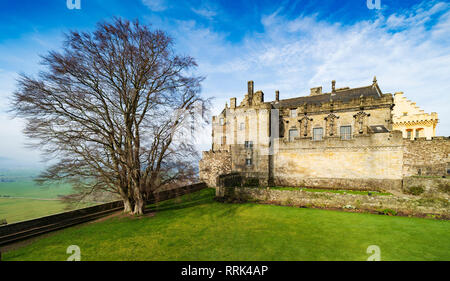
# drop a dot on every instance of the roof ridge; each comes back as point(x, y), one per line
point(305, 97)
point(342, 90)
point(370, 86)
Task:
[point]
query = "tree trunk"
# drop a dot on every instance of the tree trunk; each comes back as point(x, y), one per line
point(138, 204)
point(127, 208)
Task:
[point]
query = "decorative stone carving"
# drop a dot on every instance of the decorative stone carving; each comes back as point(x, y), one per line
point(331, 124)
point(304, 125)
point(360, 119)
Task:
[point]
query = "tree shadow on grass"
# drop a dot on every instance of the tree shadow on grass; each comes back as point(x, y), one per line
point(195, 199)
point(185, 201)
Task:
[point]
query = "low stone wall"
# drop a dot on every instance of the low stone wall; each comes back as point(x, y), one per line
point(407, 205)
point(436, 187)
point(21, 230)
point(426, 157)
point(389, 185)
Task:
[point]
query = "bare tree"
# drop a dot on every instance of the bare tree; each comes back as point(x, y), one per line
point(112, 107)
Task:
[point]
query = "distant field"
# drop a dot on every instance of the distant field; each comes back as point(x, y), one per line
point(19, 183)
point(15, 210)
point(195, 227)
point(27, 188)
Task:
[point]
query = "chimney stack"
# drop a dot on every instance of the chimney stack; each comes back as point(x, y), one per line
point(277, 95)
point(333, 86)
point(316, 91)
point(233, 103)
point(250, 88)
point(250, 92)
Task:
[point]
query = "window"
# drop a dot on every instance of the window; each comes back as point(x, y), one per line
point(419, 132)
point(293, 113)
point(317, 134)
point(224, 140)
point(405, 113)
point(221, 122)
point(293, 133)
point(248, 144)
point(346, 132)
point(242, 126)
point(248, 162)
point(409, 134)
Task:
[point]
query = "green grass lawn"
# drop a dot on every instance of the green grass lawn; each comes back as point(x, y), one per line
point(198, 228)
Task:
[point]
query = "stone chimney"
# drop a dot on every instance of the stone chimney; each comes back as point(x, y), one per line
point(250, 92)
point(233, 103)
point(250, 88)
point(316, 91)
point(277, 95)
point(333, 86)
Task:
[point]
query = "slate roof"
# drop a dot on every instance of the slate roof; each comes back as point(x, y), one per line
point(341, 95)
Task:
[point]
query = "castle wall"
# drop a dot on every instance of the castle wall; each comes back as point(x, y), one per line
point(214, 164)
point(426, 157)
point(365, 162)
point(259, 167)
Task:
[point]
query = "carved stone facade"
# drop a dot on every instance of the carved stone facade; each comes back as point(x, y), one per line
point(345, 137)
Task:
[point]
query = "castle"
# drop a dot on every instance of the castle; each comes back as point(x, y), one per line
point(348, 138)
point(411, 120)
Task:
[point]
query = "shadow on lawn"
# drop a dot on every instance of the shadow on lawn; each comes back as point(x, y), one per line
point(186, 201)
point(203, 197)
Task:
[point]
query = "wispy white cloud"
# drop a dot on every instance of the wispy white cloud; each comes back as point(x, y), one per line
point(408, 51)
point(156, 5)
point(205, 12)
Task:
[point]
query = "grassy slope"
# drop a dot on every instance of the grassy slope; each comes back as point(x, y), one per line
point(198, 228)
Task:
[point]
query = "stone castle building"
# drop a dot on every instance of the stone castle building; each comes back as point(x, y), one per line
point(411, 120)
point(345, 138)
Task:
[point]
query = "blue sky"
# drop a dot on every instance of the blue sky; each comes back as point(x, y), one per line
point(287, 45)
